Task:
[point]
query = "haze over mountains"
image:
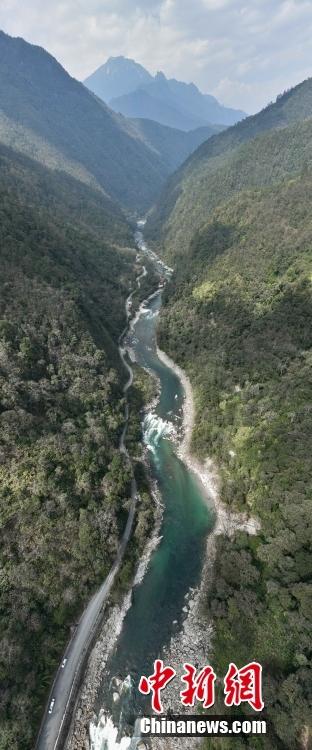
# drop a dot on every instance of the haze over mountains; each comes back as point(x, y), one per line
point(49, 116)
point(130, 89)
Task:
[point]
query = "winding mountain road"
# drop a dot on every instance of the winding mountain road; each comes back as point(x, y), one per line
point(68, 676)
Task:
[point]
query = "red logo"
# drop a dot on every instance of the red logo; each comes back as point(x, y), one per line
point(156, 682)
point(244, 686)
point(200, 687)
point(240, 685)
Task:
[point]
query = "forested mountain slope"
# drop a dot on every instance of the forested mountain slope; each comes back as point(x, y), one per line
point(65, 274)
point(172, 146)
point(66, 269)
point(51, 117)
point(47, 115)
point(238, 319)
point(242, 156)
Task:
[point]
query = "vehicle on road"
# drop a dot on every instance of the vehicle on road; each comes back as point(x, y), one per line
point(64, 662)
point(51, 706)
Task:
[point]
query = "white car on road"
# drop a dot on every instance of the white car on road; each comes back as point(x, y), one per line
point(51, 706)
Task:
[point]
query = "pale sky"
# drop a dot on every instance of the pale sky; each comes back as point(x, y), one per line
point(245, 52)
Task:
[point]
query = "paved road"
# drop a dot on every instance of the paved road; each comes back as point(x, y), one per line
point(67, 678)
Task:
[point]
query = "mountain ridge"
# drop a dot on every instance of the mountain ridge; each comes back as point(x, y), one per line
point(48, 115)
point(173, 145)
point(168, 101)
point(44, 104)
point(125, 76)
point(192, 184)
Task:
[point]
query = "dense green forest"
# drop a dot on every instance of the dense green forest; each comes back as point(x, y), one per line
point(238, 318)
point(236, 221)
point(172, 145)
point(260, 150)
point(64, 490)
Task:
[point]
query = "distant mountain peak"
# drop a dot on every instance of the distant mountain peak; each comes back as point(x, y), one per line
point(193, 87)
point(131, 90)
point(48, 115)
point(160, 76)
point(121, 60)
point(117, 77)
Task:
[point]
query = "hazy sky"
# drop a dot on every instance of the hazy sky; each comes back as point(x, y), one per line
point(243, 51)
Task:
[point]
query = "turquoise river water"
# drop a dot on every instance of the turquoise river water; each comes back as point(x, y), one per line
point(156, 612)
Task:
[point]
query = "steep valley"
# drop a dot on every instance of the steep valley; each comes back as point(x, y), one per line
point(235, 222)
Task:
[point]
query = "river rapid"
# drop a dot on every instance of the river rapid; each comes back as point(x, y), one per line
point(175, 567)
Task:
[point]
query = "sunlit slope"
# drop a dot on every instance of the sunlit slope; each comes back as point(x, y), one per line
point(238, 318)
point(243, 156)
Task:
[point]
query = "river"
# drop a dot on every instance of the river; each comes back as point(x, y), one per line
point(175, 567)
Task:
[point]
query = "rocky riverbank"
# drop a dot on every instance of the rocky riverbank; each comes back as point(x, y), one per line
point(78, 738)
point(193, 642)
point(227, 522)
